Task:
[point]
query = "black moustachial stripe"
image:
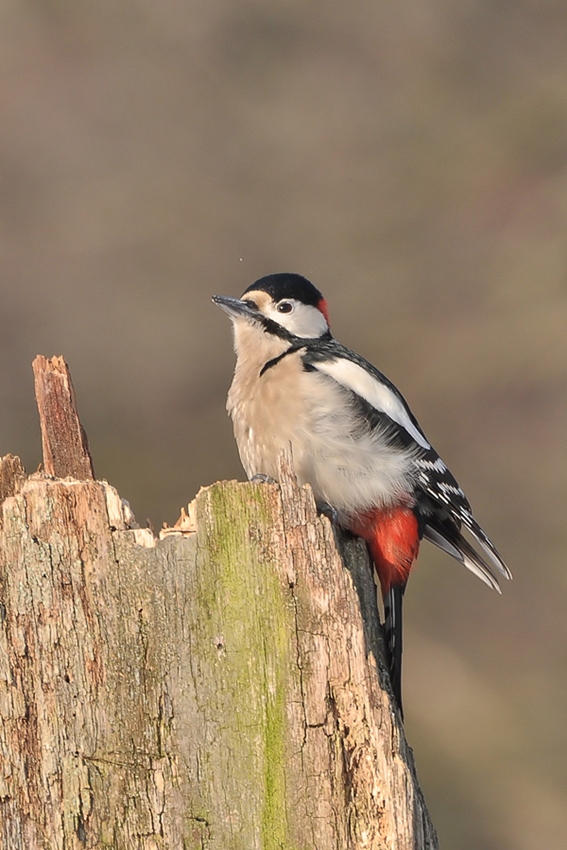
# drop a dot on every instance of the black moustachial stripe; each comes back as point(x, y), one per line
point(271, 327)
point(275, 360)
point(297, 344)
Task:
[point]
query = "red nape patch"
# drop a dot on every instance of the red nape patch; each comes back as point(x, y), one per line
point(393, 539)
point(322, 306)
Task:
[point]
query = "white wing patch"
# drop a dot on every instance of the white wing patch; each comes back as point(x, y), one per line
point(436, 465)
point(380, 396)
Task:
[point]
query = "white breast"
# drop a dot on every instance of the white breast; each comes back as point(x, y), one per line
point(350, 468)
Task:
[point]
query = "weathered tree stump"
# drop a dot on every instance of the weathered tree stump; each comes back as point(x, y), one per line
point(222, 687)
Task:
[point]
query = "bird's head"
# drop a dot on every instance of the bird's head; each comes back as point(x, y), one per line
point(282, 306)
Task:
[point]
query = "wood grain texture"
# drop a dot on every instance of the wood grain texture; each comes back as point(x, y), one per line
point(220, 689)
point(12, 476)
point(64, 441)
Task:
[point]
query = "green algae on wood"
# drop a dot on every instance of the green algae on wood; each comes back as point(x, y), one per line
point(251, 623)
point(215, 690)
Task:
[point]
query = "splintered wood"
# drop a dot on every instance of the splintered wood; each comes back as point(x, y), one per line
point(64, 441)
point(12, 475)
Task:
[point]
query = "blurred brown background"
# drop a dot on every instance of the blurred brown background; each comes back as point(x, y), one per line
point(411, 158)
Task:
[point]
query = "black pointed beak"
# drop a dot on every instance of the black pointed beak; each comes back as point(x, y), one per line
point(236, 307)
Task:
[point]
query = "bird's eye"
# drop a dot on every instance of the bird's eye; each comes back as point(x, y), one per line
point(284, 307)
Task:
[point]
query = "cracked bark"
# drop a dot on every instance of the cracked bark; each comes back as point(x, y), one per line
point(220, 688)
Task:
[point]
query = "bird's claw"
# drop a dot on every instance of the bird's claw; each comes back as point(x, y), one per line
point(329, 511)
point(262, 478)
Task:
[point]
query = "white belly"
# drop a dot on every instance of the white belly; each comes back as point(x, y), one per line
point(347, 466)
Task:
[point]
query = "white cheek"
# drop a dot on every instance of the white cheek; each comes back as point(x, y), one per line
point(305, 321)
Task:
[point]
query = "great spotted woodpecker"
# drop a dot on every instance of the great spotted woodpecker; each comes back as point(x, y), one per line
point(353, 437)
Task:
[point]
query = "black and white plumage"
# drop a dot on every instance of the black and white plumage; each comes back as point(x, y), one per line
point(354, 440)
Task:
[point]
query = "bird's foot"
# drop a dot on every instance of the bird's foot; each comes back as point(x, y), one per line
point(262, 478)
point(329, 511)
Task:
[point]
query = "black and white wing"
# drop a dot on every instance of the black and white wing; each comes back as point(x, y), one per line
point(446, 512)
point(442, 506)
point(377, 395)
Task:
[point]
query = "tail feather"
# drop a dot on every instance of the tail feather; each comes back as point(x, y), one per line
point(392, 535)
point(470, 559)
point(487, 546)
point(393, 601)
point(488, 566)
